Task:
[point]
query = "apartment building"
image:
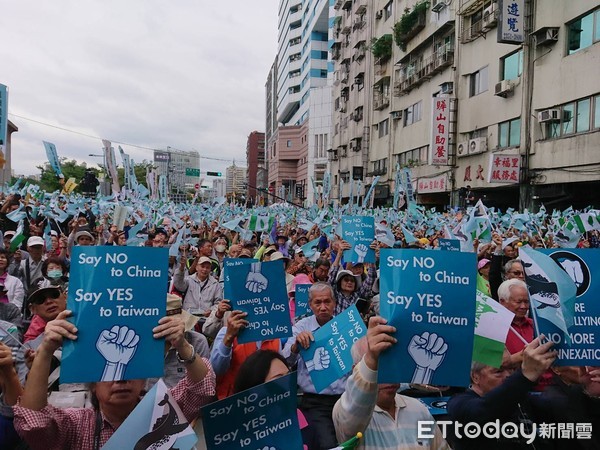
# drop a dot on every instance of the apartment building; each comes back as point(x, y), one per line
point(299, 85)
point(235, 182)
point(354, 74)
point(499, 95)
point(255, 161)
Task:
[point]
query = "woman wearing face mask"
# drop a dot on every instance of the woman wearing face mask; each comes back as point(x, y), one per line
point(219, 254)
point(55, 270)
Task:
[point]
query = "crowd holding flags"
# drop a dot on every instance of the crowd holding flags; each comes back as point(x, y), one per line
point(552, 291)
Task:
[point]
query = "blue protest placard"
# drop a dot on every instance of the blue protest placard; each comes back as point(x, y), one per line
point(117, 295)
point(155, 422)
point(301, 297)
point(452, 245)
point(261, 417)
point(232, 262)
point(437, 406)
point(581, 349)
point(259, 289)
point(359, 231)
point(429, 296)
point(328, 357)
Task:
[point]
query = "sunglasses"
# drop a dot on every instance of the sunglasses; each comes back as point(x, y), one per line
point(40, 300)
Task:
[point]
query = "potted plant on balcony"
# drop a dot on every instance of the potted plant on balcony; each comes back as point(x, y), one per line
point(382, 47)
point(411, 22)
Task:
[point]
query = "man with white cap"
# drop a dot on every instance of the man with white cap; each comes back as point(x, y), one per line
point(202, 291)
point(30, 268)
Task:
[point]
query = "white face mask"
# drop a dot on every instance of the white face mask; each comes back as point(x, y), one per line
point(220, 248)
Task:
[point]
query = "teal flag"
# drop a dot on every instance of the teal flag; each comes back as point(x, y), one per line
point(551, 291)
point(52, 156)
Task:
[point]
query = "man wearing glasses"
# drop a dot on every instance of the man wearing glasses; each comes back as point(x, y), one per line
point(45, 302)
point(514, 269)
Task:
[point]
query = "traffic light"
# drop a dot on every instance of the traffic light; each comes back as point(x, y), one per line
point(213, 174)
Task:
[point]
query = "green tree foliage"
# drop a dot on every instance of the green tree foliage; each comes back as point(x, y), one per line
point(140, 172)
point(73, 169)
point(70, 169)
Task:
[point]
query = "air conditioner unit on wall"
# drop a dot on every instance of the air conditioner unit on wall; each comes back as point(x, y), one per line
point(477, 145)
point(447, 87)
point(549, 115)
point(489, 16)
point(503, 88)
point(546, 36)
point(379, 14)
point(396, 115)
point(462, 149)
point(437, 5)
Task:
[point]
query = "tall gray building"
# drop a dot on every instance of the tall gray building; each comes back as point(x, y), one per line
point(181, 168)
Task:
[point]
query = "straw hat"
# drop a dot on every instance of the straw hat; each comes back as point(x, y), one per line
point(174, 307)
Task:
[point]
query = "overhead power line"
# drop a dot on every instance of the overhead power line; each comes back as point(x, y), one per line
point(111, 140)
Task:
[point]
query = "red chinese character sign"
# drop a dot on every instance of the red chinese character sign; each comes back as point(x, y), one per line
point(504, 168)
point(434, 184)
point(440, 121)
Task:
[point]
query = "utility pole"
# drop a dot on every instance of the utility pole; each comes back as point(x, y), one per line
point(525, 186)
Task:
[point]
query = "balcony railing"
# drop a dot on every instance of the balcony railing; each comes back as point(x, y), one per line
point(380, 100)
point(483, 25)
point(359, 25)
point(359, 54)
point(412, 75)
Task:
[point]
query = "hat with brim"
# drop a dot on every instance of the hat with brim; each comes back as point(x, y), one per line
point(204, 260)
point(83, 233)
point(245, 253)
point(299, 238)
point(9, 233)
point(175, 307)
point(482, 263)
point(34, 240)
point(40, 289)
point(343, 273)
point(278, 255)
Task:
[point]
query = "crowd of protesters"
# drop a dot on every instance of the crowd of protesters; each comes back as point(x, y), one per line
point(204, 360)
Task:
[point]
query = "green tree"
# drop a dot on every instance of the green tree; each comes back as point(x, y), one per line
point(140, 172)
point(70, 169)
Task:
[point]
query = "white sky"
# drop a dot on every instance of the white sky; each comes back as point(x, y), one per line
point(189, 74)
